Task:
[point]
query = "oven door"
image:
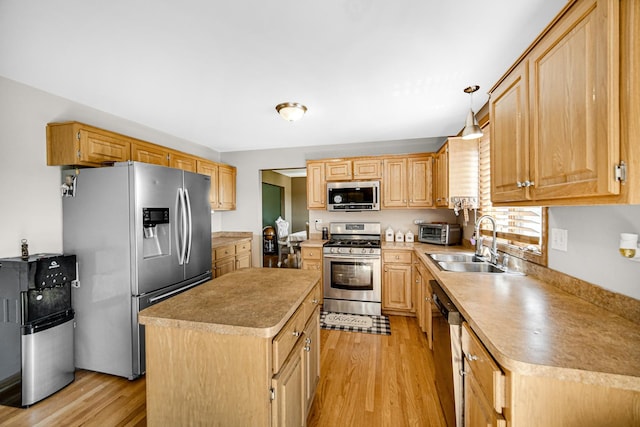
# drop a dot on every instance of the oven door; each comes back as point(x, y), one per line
point(355, 278)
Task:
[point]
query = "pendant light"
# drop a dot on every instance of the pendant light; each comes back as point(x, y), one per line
point(471, 129)
point(291, 111)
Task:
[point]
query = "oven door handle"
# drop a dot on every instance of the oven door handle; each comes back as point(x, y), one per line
point(351, 256)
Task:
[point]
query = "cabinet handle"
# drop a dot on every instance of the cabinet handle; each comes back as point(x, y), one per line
point(462, 373)
point(296, 333)
point(519, 184)
point(307, 340)
point(528, 183)
point(471, 357)
point(307, 348)
point(397, 256)
point(427, 299)
point(315, 301)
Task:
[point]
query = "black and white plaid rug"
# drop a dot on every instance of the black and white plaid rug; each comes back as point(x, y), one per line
point(355, 323)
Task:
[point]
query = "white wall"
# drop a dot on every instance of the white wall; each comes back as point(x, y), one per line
point(592, 249)
point(31, 206)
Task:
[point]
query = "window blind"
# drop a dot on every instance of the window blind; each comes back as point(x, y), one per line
point(517, 226)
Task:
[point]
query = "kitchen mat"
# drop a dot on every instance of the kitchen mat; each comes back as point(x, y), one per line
point(355, 323)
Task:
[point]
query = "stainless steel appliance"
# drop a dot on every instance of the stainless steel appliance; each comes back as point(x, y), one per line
point(353, 196)
point(447, 356)
point(352, 268)
point(36, 327)
point(440, 234)
point(142, 233)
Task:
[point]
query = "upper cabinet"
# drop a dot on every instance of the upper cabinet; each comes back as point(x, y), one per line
point(564, 119)
point(456, 173)
point(361, 169)
point(316, 185)
point(407, 182)
point(74, 143)
point(77, 144)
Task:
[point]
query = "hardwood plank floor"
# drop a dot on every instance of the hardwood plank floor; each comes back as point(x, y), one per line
point(366, 380)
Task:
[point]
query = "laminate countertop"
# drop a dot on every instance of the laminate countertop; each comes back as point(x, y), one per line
point(249, 301)
point(534, 328)
point(223, 238)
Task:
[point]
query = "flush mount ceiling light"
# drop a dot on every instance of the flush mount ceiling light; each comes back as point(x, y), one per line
point(291, 111)
point(471, 129)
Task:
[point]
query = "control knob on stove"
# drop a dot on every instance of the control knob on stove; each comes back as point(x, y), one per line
point(334, 250)
point(364, 250)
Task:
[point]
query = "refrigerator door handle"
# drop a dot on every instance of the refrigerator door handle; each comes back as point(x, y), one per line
point(189, 234)
point(177, 291)
point(183, 227)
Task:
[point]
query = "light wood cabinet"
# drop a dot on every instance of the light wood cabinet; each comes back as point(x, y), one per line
point(230, 257)
point(338, 170)
point(312, 260)
point(77, 144)
point(563, 118)
point(149, 153)
point(407, 182)
point(484, 383)
point(182, 161)
point(311, 358)
point(226, 187)
point(210, 169)
point(422, 300)
point(441, 180)
point(367, 169)
point(397, 282)
point(316, 185)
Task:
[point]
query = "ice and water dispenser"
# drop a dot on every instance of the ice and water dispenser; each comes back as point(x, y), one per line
point(36, 327)
point(156, 232)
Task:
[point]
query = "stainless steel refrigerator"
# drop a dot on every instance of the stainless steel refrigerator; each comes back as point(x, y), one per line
point(141, 234)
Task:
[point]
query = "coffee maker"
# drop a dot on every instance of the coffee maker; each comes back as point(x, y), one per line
point(36, 327)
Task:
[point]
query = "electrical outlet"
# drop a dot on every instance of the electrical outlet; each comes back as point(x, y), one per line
point(559, 239)
point(318, 221)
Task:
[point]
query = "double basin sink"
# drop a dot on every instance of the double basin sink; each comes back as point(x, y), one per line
point(465, 263)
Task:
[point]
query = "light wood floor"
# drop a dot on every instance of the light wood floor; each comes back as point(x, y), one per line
point(366, 380)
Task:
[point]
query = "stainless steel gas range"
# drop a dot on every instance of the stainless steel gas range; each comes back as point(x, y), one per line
point(352, 268)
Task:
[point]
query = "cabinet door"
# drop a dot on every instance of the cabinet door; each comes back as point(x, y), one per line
point(477, 412)
point(101, 148)
point(573, 74)
point(367, 169)
point(226, 187)
point(181, 161)
point(416, 292)
point(311, 358)
point(316, 188)
point(288, 408)
point(442, 178)
point(396, 287)
point(149, 153)
point(224, 266)
point(419, 182)
point(210, 169)
point(427, 308)
point(243, 260)
point(509, 145)
point(338, 170)
point(394, 186)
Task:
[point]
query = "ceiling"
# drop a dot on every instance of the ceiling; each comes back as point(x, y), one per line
point(212, 72)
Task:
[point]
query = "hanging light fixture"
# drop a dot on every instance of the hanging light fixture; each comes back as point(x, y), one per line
point(291, 111)
point(471, 129)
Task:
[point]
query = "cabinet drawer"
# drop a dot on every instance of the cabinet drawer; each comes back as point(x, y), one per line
point(311, 302)
point(243, 247)
point(311, 253)
point(225, 251)
point(403, 257)
point(287, 338)
point(484, 369)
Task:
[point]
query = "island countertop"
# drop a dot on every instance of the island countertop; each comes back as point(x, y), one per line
point(250, 301)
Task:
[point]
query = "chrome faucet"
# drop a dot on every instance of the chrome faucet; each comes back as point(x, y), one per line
point(494, 244)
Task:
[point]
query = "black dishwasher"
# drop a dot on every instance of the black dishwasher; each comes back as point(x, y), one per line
point(447, 355)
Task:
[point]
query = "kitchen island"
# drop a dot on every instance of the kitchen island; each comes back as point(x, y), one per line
point(242, 349)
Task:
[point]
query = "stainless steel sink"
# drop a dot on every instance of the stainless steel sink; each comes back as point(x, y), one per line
point(470, 267)
point(456, 257)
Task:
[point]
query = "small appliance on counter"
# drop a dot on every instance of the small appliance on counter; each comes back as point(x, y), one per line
point(440, 234)
point(37, 348)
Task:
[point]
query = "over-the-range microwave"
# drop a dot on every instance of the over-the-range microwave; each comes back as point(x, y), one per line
point(353, 196)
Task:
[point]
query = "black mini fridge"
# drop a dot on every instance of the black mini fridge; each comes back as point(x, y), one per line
point(36, 327)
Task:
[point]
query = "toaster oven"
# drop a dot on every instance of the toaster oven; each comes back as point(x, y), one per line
point(440, 234)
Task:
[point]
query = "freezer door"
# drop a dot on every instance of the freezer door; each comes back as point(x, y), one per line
point(157, 251)
point(198, 259)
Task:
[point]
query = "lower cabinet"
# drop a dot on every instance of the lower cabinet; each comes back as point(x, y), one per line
point(422, 300)
point(396, 281)
point(312, 260)
point(288, 391)
point(311, 360)
point(231, 257)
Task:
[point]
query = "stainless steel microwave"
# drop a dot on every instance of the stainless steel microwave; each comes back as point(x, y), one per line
point(440, 234)
point(352, 196)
